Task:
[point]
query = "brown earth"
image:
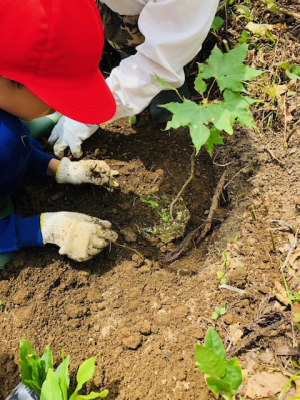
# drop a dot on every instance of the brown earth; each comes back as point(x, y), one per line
point(145, 316)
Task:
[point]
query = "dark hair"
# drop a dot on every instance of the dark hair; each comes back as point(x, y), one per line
point(16, 84)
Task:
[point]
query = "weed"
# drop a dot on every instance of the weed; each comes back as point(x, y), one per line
point(38, 375)
point(1, 306)
point(219, 311)
point(224, 377)
point(167, 229)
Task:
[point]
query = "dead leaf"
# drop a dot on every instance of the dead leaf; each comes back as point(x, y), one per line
point(259, 385)
point(280, 294)
point(293, 258)
point(287, 351)
point(264, 29)
point(296, 312)
point(236, 333)
point(280, 89)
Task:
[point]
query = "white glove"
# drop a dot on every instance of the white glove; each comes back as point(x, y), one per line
point(86, 171)
point(79, 236)
point(70, 133)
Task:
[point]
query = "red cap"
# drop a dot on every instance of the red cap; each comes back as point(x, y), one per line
point(54, 47)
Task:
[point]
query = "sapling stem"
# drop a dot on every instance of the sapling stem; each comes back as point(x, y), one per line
point(227, 48)
point(212, 85)
point(185, 185)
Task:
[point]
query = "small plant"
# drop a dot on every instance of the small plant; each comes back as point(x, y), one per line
point(219, 311)
point(1, 306)
point(167, 228)
point(38, 375)
point(224, 377)
point(208, 119)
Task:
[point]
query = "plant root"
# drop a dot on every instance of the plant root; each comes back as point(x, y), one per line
point(185, 185)
point(263, 326)
point(206, 225)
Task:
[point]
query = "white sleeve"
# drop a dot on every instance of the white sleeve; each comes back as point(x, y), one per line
point(174, 31)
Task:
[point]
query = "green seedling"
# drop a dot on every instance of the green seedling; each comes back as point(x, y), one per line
point(226, 262)
point(1, 306)
point(244, 37)
point(219, 311)
point(271, 6)
point(154, 205)
point(133, 120)
point(218, 22)
point(293, 72)
point(167, 228)
point(224, 377)
point(244, 12)
point(39, 375)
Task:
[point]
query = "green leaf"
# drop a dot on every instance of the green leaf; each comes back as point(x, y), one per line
point(294, 71)
point(25, 350)
point(233, 375)
point(209, 362)
point(84, 374)
point(191, 115)
point(50, 388)
point(63, 378)
point(164, 83)
point(214, 138)
point(228, 69)
point(93, 395)
point(271, 6)
point(243, 10)
point(217, 23)
point(238, 107)
point(218, 385)
point(244, 37)
point(132, 120)
point(46, 361)
point(214, 343)
point(200, 85)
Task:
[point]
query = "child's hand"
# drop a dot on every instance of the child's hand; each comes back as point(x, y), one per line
point(79, 236)
point(70, 133)
point(86, 171)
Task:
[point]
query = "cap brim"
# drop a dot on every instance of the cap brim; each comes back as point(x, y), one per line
point(90, 103)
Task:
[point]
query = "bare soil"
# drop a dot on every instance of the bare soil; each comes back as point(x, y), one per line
point(144, 315)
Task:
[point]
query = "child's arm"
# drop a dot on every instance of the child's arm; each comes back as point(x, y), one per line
point(95, 172)
point(79, 236)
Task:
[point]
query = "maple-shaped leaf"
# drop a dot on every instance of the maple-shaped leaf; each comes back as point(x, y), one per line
point(192, 115)
point(238, 106)
point(229, 69)
point(214, 138)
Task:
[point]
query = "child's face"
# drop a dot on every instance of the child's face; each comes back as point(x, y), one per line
point(19, 101)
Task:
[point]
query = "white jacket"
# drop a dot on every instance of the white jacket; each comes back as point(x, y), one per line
point(174, 31)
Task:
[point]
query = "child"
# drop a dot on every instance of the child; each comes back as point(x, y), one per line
point(153, 37)
point(44, 47)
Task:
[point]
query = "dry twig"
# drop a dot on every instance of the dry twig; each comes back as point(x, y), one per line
point(207, 225)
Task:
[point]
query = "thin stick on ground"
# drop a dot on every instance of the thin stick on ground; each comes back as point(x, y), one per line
point(185, 185)
point(206, 225)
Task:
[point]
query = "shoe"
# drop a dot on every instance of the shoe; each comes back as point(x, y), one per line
point(6, 208)
point(161, 115)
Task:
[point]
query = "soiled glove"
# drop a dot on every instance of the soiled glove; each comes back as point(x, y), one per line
point(70, 133)
point(86, 171)
point(79, 236)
